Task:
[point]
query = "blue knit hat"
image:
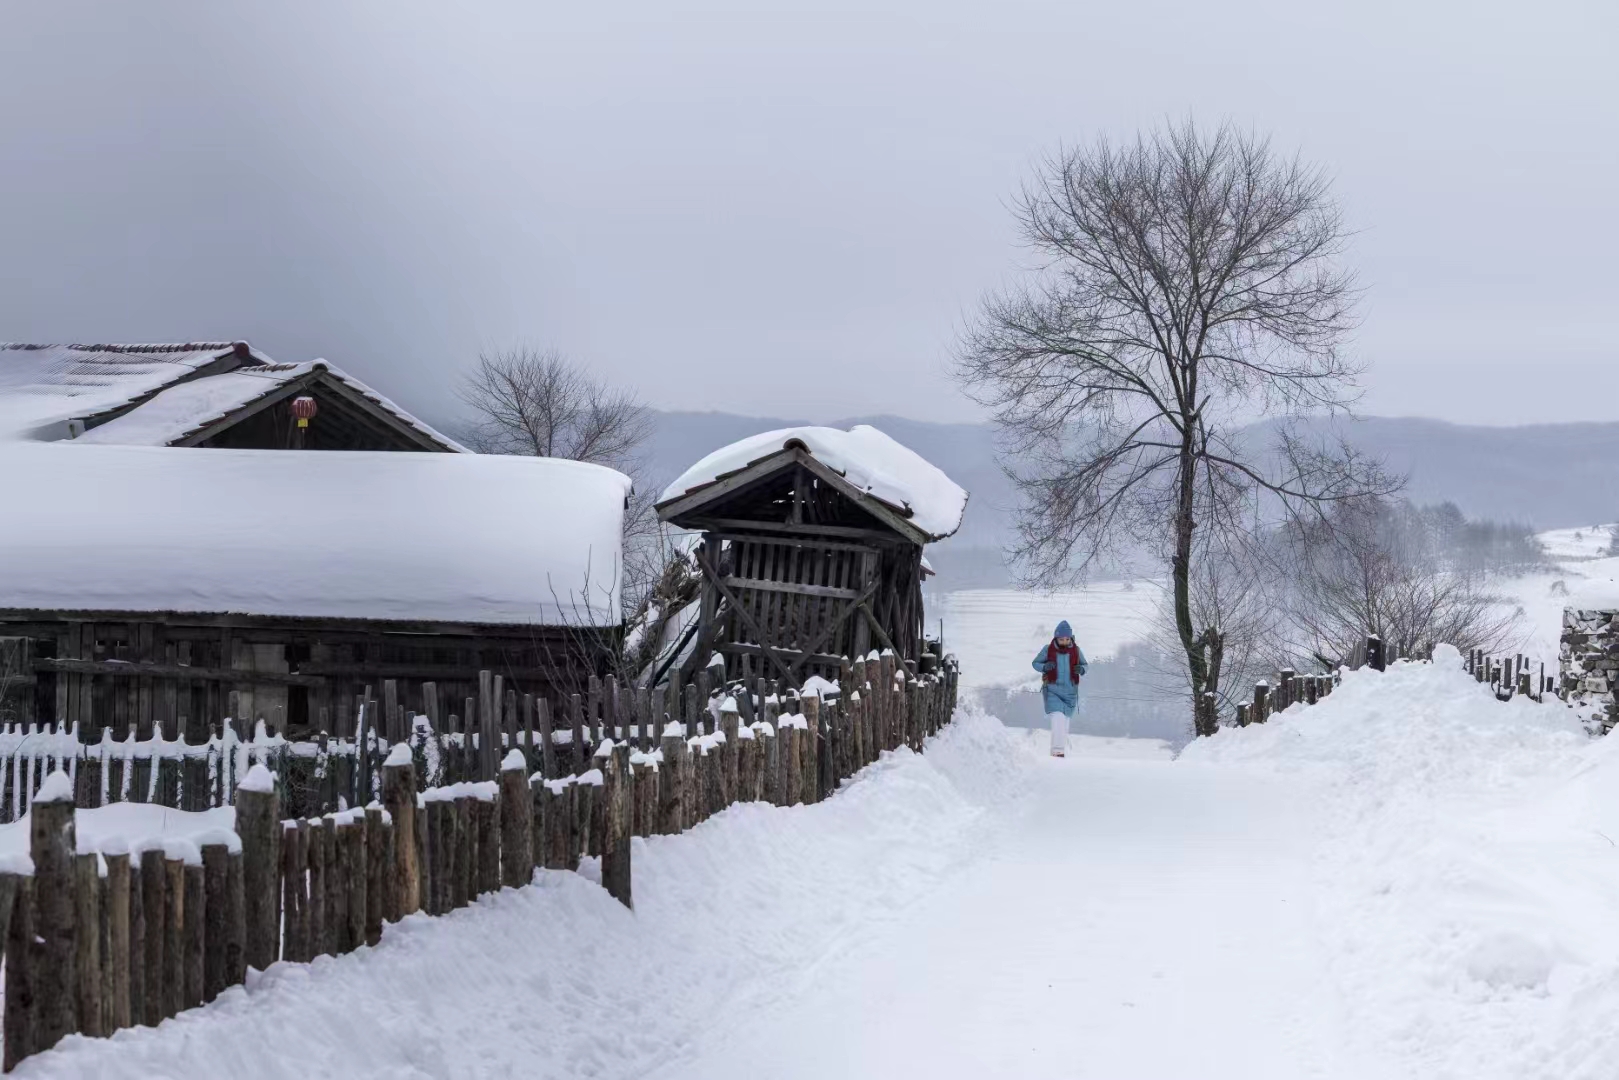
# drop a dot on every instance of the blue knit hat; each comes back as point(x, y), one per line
point(1064, 630)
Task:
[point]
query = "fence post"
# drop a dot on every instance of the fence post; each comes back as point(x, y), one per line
point(616, 838)
point(730, 720)
point(214, 859)
point(196, 930)
point(379, 879)
point(517, 821)
point(810, 704)
point(257, 822)
point(1261, 710)
point(52, 844)
point(1374, 653)
point(399, 797)
point(87, 915)
point(20, 1011)
point(116, 898)
point(671, 785)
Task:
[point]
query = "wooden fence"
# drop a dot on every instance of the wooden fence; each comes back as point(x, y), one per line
point(112, 939)
point(1508, 675)
point(342, 769)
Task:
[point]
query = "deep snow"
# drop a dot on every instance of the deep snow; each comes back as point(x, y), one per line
point(1409, 880)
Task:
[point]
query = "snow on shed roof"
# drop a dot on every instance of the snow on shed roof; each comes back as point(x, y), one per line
point(190, 406)
point(369, 535)
point(867, 459)
point(42, 385)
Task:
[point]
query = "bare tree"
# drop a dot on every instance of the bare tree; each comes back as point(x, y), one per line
point(537, 402)
point(530, 401)
point(1187, 285)
point(1380, 567)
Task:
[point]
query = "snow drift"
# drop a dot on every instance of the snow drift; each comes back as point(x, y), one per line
point(1469, 878)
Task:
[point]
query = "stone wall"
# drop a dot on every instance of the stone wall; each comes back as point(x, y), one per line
point(1589, 664)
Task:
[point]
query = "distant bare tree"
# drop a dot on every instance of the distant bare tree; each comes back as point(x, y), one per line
point(1188, 285)
point(529, 401)
point(537, 402)
point(1378, 567)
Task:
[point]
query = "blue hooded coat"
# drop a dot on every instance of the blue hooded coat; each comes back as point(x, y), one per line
point(1060, 694)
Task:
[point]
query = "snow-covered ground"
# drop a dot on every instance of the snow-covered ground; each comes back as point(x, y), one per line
point(1409, 880)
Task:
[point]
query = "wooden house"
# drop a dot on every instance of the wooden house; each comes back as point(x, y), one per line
point(208, 394)
point(812, 549)
point(163, 554)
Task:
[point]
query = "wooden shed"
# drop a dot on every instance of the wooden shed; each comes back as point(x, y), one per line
point(811, 549)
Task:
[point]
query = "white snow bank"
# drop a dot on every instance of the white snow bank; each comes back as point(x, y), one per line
point(867, 458)
point(1470, 888)
point(334, 535)
point(133, 827)
point(560, 981)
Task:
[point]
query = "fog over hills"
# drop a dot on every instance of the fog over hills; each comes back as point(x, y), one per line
point(1547, 475)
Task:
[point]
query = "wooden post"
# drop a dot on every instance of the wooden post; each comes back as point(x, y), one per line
point(294, 934)
point(461, 852)
point(155, 908)
point(87, 914)
point(214, 860)
point(539, 799)
point(174, 957)
point(811, 707)
point(730, 720)
point(489, 873)
point(196, 930)
point(315, 862)
point(547, 764)
point(616, 841)
point(671, 819)
point(376, 872)
point(258, 824)
point(116, 898)
point(576, 719)
point(352, 837)
point(558, 820)
point(399, 797)
point(21, 1011)
point(517, 823)
point(1261, 708)
point(235, 920)
point(53, 846)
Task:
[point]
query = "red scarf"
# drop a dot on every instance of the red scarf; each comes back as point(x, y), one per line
point(1073, 661)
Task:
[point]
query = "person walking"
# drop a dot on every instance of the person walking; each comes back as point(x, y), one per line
point(1061, 664)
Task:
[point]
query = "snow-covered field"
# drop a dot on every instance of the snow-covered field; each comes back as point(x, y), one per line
point(1409, 880)
point(996, 632)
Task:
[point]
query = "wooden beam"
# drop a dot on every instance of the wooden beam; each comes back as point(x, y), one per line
point(803, 535)
point(125, 669)
point(766, 585)
point(742, 648)
point(351, 626)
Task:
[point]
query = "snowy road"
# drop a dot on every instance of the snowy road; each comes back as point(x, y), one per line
point(1143, 919)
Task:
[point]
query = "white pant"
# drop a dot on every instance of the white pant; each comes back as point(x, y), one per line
point(1059, 731)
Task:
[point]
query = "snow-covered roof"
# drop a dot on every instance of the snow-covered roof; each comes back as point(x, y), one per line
point(372, 535)
point(868, 459)
point(42, 386)
point(189, 407)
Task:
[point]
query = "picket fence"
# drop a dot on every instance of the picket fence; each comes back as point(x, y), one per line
point(98, 941)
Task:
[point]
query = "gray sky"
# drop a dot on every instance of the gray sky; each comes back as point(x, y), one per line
point(777, 207)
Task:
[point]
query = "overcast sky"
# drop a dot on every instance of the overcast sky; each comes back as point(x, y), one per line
point(772, 207)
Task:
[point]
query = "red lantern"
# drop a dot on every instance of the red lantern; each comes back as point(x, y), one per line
point(304, 409)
